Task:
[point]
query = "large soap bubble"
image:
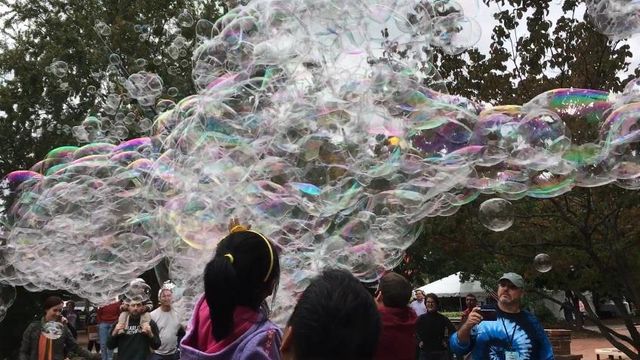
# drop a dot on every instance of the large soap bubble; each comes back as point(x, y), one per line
point(496, 214)
point(542, 263)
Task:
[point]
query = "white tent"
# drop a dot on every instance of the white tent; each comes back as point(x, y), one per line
point(452, 286)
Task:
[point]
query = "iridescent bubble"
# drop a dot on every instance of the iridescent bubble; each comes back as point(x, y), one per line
point(542, 263)
point(53, 330)
point(496, 214)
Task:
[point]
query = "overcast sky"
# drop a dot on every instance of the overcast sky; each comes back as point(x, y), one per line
point(484, 15)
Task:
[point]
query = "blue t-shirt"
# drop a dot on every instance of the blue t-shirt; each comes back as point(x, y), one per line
point(521, 333)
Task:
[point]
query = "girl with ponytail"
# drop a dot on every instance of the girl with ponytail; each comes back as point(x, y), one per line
point(230, 320)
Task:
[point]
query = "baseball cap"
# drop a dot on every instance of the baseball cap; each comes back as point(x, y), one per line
point(515, 279)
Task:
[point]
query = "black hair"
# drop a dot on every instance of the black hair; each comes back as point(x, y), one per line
point(51, 301)
point(395, 289)
point(335, 318)
point(243, 271)
point(470, 296)
point(433, 297)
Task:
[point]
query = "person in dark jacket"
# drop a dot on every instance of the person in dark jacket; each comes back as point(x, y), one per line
point(397, 339)
point(49, 337)
point(135, 339)
point(433, 330)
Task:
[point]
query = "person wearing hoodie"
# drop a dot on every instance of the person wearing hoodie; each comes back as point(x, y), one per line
point(397, 339)
point(231, 320)
point(433, 331)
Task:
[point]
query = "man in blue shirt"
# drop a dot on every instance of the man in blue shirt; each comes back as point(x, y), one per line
point(514, 335)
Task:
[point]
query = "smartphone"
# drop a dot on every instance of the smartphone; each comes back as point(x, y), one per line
point(488, 313)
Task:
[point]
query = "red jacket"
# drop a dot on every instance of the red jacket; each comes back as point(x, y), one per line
point(398, 336)
point(108, 313)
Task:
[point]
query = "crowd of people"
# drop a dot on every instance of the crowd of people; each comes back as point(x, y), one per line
point(336, 317)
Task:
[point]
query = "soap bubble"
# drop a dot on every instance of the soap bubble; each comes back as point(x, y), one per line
point(102, 29)
point(185, 19)
point(59, 68)
point(542, 263)
point(615, 18)
point(53, 330)
point(496, 214)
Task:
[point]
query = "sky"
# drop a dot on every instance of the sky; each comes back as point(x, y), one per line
point(484, 15)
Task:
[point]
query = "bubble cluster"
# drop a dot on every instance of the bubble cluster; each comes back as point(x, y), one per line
point(542, 263)
point(307, 128)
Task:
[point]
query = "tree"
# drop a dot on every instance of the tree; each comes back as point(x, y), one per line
point(589, 233)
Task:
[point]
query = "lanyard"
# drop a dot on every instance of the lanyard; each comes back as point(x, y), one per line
point(513, 333)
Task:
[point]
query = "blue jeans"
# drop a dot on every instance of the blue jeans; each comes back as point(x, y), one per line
point(103, 335)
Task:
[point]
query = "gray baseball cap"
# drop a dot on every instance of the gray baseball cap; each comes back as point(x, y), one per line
point(515, 279)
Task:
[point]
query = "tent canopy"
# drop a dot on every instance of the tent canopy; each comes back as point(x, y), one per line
point(452, 286)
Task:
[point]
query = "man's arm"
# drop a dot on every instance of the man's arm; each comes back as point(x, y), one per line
point(461, 341)
point(154, 341)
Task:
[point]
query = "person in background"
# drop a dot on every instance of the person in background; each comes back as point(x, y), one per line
point(471, 302)
point(433, 331)
point(169, 325)
point(335, 319)
point(136, 339)
point(39, 342)
point(107, 316)
point(92, 331)
point(69, 312)
point(418, 304)
point(515, 334)
point(397, 339)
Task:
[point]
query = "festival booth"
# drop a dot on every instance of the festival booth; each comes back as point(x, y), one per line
point(452, 287)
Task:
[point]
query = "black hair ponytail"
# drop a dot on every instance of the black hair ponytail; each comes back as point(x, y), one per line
point(241, 273)
point(220, 278)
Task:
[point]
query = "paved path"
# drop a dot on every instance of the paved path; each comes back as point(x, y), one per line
point(586, 346)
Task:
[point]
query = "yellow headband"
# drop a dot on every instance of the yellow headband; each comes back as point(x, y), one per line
point(239, 228)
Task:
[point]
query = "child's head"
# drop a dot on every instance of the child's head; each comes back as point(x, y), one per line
point(244, 271)
point(395, 290)
point(335, 318)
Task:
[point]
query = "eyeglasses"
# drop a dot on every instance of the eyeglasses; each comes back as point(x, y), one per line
point(430, 302)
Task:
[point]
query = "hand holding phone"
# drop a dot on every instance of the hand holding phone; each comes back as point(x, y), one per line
point(488, 313)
